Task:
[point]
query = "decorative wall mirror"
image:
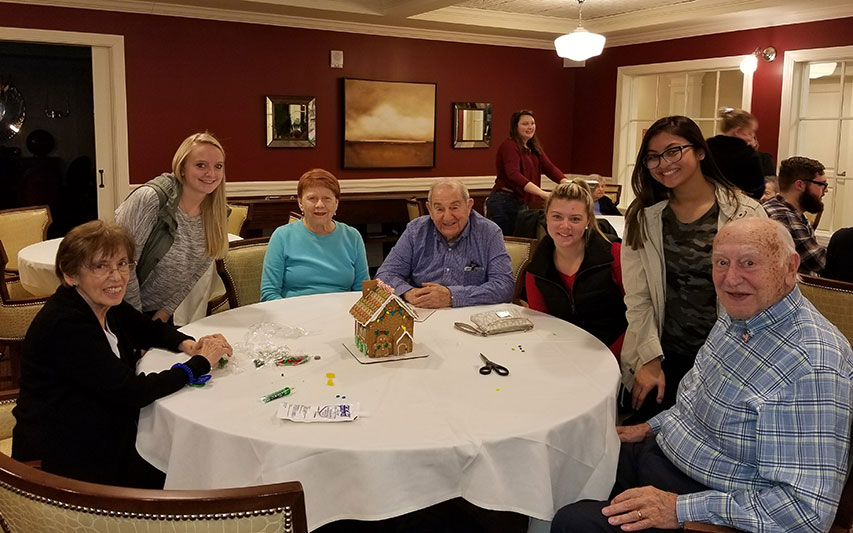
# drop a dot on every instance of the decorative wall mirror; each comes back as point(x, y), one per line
point(291, 121)
point(472, 124)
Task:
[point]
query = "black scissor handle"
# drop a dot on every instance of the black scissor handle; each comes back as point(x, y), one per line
point(501, 370)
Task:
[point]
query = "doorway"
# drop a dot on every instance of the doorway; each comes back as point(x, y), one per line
point(49, 158)
point(110, 106)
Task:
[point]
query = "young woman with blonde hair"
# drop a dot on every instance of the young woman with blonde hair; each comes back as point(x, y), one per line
point(575, 273)
point(179, 223)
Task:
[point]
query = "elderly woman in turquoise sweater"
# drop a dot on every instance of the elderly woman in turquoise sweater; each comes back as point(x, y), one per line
point(316, 255)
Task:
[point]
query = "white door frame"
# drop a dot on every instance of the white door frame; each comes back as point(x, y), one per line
point(838, 185)
point(623, 103)
point(110, 99)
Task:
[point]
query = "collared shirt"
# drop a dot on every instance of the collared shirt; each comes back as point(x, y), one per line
point(475, 267)
point(812, 254)
point(763, 418)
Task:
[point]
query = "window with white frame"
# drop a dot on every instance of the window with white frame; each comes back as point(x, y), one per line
point(696, 89)
point(817, 122)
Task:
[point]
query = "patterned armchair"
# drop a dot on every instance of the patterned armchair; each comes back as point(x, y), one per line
point(241, 274)
point(20, 228)
point(33, 500)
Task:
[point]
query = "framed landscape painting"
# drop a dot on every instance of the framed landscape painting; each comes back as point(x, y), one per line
point(388, 124)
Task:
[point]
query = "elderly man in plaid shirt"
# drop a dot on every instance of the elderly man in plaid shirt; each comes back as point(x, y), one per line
point(759, 436)
point(802, 185)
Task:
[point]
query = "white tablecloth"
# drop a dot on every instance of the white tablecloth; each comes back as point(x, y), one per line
point(617, 221)
point(436, 429)
point(36, 265)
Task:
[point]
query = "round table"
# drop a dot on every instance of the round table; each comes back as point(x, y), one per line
point(434, 428)
point(37, 269)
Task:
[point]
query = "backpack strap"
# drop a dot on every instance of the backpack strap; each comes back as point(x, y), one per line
point(162, 235)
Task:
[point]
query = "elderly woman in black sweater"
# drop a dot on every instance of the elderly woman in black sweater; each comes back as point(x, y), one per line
point(80, 393)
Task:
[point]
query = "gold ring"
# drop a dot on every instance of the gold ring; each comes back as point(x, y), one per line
point(639, 515)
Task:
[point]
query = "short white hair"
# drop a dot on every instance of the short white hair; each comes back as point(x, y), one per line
point(449, 182)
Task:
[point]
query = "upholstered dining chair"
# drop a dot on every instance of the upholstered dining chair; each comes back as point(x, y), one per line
point(843, 522)
point(8, 400)
point(20, 228)
point(34, 500)
point(834, 300)
point(17, 310)
point(237, 218)
point(520, 251)
point(414, 208)
point(241, 274)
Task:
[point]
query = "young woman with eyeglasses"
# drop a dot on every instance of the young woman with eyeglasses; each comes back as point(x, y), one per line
point(681, 201)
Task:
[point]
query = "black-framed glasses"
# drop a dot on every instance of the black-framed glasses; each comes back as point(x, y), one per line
point(819, 183)
point(670, 155)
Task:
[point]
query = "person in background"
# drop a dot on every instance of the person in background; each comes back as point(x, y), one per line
point(179, 223)
point(681, 202)
point(575, 272)
point(603, 204)
point(453, 257)
point(759, 437)
point(771, 188)
point(316, 255)
point(80, 393)
point(839, 256)
point(802, 184)
point(520, 162)
point(735, 151)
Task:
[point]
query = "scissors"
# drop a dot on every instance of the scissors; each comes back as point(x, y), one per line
point(486, 370)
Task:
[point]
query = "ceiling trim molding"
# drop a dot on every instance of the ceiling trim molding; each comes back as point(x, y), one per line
point(267, 19)
point(617, 36)
point(739, 23)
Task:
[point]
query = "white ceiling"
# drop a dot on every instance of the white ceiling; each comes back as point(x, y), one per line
point(525, 23)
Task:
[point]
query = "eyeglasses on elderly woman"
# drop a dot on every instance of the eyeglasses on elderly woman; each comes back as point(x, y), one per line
point(103, 269)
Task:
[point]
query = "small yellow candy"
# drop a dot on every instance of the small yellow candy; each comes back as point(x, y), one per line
point(330, 375)
point(330, 383)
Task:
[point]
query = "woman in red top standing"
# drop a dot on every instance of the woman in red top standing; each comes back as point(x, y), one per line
point(520, 165)
point(575, 273)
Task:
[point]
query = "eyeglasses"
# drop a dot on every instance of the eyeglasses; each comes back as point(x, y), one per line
point(670, 155)
point(103, 270)
point(819, 183)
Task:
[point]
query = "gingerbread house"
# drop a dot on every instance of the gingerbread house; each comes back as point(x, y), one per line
point(384, 323)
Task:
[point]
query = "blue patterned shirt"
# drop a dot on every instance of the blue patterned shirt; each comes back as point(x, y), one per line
point(475, 267)
point(763, 418)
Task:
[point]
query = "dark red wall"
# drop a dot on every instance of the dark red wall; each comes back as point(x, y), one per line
point(185, 75)
point(595, 84)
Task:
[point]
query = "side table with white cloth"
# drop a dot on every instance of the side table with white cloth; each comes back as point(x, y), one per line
point(37, 268)
point(432, 429)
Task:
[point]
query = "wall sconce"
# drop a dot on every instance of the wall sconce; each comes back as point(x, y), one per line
point(750, 62)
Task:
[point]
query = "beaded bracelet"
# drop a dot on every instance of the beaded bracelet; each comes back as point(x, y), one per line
point(193, 381)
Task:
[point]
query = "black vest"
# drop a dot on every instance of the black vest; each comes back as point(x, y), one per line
point(595, 303)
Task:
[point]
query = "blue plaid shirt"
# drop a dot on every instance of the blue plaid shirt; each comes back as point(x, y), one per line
point(475, 267)
point(763, 418)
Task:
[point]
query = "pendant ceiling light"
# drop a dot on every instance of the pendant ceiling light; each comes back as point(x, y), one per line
point(580, 44)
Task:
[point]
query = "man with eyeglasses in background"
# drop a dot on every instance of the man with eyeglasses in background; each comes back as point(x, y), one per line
point(802, 184)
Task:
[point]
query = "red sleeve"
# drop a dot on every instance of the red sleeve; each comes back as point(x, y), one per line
point(509, 165)
point(534, 297)
point(550, 169)
point(616, 266)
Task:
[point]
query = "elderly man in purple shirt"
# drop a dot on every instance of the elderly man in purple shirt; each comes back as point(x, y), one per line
point(454, 257)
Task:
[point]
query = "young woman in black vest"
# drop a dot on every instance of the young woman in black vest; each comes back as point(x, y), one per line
point(575, 273)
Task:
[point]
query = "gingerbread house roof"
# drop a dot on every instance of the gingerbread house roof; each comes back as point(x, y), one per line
point(368, 307)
